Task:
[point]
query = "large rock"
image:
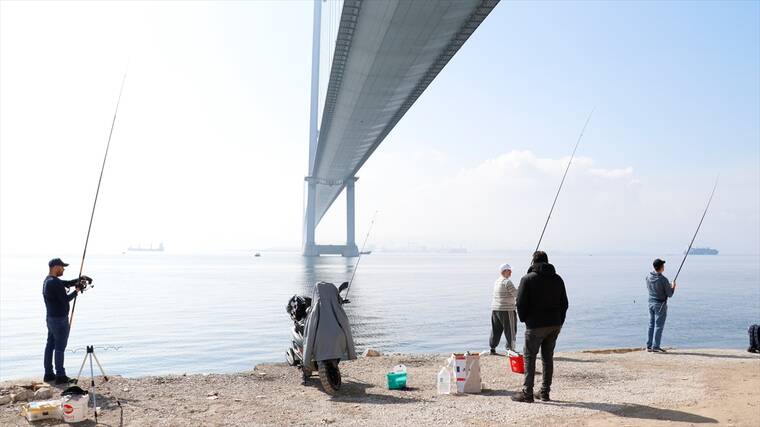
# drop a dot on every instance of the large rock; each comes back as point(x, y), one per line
point(43, 393)
point(370, 352)
point(22, 395)
point(5, 399)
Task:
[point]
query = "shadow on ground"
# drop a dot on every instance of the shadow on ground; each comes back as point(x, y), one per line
point(353, 391)
point(573, 360)
point(716, 356)
point(632, 410)
point(58, 422)
point(489, 392)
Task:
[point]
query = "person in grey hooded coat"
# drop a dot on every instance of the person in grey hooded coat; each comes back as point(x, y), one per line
point(327, 330)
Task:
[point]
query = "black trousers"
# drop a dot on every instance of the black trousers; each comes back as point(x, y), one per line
point(544, 339)
point(503, 322)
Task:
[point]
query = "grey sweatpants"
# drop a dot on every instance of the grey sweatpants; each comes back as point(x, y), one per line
point(506, 322)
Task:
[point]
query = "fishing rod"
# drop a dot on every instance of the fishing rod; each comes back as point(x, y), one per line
point(563, 179)
point(97, 191)
point(686, 254)
point(361, 252)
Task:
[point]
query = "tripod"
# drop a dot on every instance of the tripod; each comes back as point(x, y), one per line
point(91, 355)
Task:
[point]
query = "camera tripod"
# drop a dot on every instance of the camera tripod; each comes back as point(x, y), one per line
point(91, 355)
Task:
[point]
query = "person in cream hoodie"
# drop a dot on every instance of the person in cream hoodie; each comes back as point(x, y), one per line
point(504, 310)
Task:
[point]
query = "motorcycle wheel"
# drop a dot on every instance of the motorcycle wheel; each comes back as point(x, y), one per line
point(329, 376)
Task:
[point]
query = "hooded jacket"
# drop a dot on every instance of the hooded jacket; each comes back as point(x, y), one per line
point(659, 287)
point(328, 333)
point(541, 297)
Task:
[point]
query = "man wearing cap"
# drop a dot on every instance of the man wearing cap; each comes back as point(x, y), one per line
point(504, 310)
point(57, 307)
point(660, 289)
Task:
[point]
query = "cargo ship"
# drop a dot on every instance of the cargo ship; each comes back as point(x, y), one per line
point(703, 251)
point(139, 248)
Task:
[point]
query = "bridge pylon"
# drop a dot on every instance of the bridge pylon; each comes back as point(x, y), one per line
point(310, 247)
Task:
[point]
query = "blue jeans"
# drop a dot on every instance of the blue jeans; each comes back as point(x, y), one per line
point(58, 336)
point(658, 312)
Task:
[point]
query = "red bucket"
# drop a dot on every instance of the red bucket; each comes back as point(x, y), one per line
point(517, 363)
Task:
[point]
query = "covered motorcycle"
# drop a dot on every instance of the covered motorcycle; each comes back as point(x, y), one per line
point(325, 335)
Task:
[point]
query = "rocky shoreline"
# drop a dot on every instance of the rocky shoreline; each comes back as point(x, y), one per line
point(599, 387)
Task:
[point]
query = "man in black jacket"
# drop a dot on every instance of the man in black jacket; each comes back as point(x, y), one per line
point(541, 305)
point(57, 319)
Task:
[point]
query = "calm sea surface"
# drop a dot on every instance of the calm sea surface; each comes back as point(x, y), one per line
point(174, 314)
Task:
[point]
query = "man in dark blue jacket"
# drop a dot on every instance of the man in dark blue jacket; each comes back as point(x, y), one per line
point(660, 290)
point(541, 305)
point(57, 307)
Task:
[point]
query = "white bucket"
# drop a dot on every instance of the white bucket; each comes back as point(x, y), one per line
point(74, 408)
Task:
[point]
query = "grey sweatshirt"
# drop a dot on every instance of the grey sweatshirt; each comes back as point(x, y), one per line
point(659, 287)
point(504, 295)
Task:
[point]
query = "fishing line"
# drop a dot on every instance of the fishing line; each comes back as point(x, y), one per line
point(361, 252)
point(97, 191)
point(686, 254)
point(563, 179)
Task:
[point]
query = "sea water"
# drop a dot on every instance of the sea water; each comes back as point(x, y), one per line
point(155, 313)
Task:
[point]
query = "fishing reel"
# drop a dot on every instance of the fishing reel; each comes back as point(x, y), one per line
point(84, 283)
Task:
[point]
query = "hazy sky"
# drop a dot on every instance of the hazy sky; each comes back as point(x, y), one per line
point(210, 146)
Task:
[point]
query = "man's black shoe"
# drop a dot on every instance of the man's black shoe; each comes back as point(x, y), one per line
point(542, 395)
point(63, 380)
point(649, 349)
point(48, 378)
point(493, 351)
point(521, 396)
point(658, 350)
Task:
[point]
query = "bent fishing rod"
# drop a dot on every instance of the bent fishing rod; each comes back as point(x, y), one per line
point(97, 192)
point(572, 156)
point(686, 254)
point(361, 252)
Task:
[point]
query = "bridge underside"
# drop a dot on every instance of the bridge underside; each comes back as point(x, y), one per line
point(386, 55)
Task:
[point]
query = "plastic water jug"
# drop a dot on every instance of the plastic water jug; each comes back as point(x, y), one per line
point(444, 381)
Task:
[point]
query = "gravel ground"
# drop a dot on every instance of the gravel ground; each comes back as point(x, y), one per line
point(624, 387)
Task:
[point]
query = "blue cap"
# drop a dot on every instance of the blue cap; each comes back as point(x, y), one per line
point(56, 262)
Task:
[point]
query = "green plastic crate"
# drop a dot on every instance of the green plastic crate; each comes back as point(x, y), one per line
point(396, 381)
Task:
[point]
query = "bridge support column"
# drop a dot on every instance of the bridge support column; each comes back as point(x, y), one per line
point(309, 247)
point(351, 249)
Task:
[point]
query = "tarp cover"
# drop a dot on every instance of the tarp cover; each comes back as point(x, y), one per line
point(328, 333)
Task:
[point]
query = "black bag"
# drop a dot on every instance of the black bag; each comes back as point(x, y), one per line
point(754, 338)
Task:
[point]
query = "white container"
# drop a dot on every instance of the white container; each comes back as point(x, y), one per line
point(47, 410)
point(74, 408)
point(401, 369)
point(444, 381)
point(460, 371)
